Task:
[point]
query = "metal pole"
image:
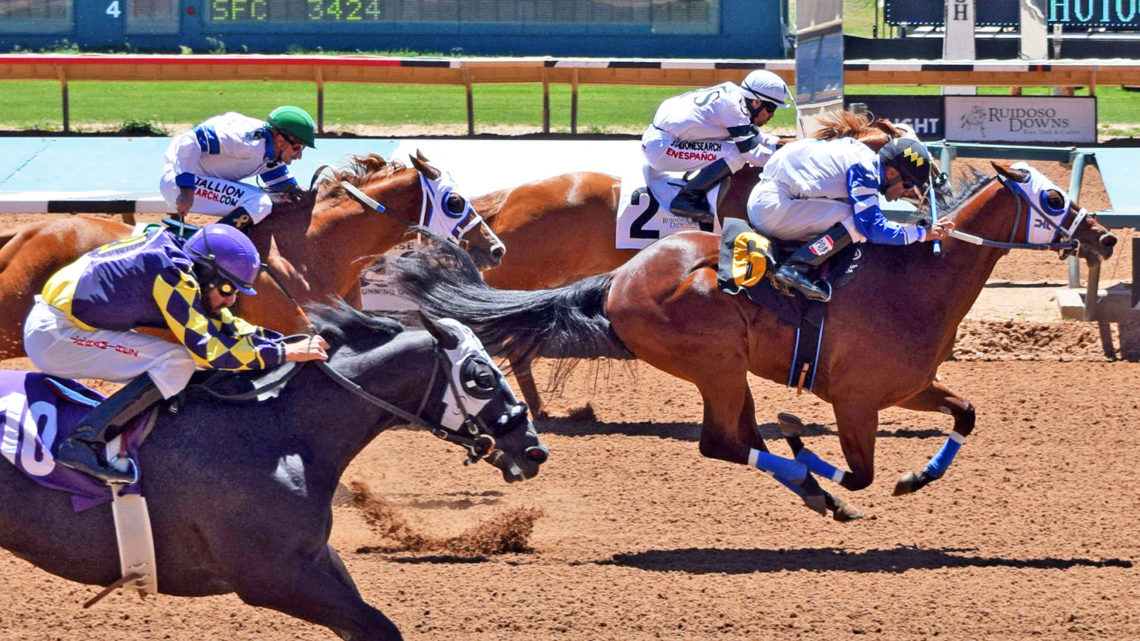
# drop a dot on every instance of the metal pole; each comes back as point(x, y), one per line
point(66, 101)
point(1078, 159)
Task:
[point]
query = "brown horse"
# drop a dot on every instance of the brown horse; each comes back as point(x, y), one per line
point(318, 246)
point(885, 333)
point(562, 229)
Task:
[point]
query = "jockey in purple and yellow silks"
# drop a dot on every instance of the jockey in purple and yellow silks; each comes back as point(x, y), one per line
point(832, 187)
point(82, 325)
point(205, 166)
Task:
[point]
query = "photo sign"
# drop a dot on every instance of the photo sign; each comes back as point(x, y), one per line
point(1021, 119)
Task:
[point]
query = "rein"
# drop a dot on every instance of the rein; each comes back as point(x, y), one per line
point(1069, 245)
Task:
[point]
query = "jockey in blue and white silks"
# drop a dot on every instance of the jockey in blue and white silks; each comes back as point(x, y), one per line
point(205, 166)
point(832, 187)
point(714, 129)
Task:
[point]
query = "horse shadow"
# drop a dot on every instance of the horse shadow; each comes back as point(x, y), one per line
point(895, 560)
point(583, 423)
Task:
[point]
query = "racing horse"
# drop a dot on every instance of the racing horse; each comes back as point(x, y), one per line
point(317, 246)
point(562, 229)
point(885, 334)
point(240, 491)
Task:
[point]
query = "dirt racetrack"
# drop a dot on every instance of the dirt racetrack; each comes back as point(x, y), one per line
point(1031, 534)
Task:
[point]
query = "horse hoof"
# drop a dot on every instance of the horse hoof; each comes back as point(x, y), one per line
point(790, 425)
point(843, 511)
point(910, 482)
point(817, 502)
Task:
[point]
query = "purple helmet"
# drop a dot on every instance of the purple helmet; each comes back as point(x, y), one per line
point(225, 253)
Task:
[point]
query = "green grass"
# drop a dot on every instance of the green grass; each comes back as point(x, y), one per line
point(119, 106)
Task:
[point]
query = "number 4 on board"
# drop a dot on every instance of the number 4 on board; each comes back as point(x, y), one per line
point(113, 9)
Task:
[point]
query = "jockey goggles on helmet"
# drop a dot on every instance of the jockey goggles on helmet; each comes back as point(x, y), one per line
point(225, 258)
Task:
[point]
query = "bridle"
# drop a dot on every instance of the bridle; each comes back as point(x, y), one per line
point(1068, 246)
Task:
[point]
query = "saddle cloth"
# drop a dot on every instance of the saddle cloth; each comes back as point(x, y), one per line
point(643, 209)
point(40, 411)
point(745, 265)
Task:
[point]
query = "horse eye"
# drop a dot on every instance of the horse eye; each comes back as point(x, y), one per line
point(456, 203)
point(1055, 200)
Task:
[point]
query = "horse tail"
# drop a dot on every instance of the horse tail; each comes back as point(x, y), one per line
point(568, 322)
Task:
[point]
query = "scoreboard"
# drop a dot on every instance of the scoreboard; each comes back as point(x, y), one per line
point(293, 11)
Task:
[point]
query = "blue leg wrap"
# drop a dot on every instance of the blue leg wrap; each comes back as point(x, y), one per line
point(778, 466)
point(937, 465)
point(820, 466)
point(788, 484)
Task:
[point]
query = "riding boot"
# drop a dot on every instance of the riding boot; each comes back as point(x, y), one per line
point(82, 450)
point(692, 200)
point(240, 219)
point(793, 273)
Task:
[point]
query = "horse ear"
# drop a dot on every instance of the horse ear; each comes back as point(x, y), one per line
point(1016, 175)
point(440, 332)
point(420, 162)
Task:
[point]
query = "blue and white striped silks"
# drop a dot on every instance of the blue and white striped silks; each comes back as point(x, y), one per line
point(937, 465)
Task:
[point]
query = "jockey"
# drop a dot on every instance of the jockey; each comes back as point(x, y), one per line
point(832, 187)
point(715, 130)
point(82, 326)
point(210, 160)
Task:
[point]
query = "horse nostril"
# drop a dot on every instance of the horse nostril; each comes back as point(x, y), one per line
point(1108, 239)
point(537, 454)
point(497, 251)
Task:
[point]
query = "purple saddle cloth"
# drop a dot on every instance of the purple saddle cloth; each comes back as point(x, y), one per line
point(41, 411)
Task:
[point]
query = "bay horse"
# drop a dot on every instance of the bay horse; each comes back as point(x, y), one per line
point(885, 333)
point(562, 229)
point(318, 246)
point(240, 492)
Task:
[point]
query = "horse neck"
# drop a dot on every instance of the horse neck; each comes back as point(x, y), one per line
point(342, 424)
point(344, 233)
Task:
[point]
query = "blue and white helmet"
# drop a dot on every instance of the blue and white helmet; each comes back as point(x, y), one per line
point(225, 253)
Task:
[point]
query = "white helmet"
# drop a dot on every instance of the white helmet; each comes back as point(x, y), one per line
point(765, 85)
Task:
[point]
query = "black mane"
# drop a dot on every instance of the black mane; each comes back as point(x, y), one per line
point(339, 323)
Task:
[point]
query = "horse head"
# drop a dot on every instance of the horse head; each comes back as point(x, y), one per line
point(446, 212)
point(441, 380)
point(1053, 216)
point(478, 401)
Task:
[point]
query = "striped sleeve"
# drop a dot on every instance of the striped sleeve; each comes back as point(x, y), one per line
point(187, 153)
point(278, 178)
point(212, 342)
point(863, 188)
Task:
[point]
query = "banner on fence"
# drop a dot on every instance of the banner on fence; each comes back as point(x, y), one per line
point(923, 113)
point(1020, 119)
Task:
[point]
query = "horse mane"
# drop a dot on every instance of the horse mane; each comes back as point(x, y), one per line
point(845, 124)
point(964, 188)
point(358, 170)
point(338, 323)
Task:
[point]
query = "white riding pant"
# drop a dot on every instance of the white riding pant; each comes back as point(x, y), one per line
point(218, 197)
point(776, 214)
point(666, 153)
point(57, 346)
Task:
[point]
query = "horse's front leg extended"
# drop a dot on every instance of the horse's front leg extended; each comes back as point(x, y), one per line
point(937, 398)
point(525, 377)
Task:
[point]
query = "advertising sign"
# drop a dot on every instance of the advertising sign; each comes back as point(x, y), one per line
point(1021, 119)
point(923, 113)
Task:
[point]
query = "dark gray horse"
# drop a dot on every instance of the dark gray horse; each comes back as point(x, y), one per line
point(240, 492)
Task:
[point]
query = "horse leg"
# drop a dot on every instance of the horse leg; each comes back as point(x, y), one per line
point(937, 398)
point(792, 429)
point(857, 422)
point(316, 588)
point(525, 377)
point(728, 405)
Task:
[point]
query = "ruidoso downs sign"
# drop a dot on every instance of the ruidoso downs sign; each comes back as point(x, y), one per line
point(1021, 119)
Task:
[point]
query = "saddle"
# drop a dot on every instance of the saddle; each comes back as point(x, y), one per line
point(745, 265)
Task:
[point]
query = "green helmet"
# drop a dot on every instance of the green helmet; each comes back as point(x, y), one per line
point(294, 121)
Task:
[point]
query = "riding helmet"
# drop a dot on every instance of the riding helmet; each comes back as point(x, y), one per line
point(910, 158)
point(225, 252)
point(295, 122)
point(765, 85)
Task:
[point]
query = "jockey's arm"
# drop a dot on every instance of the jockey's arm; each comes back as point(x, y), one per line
point(863, 189)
